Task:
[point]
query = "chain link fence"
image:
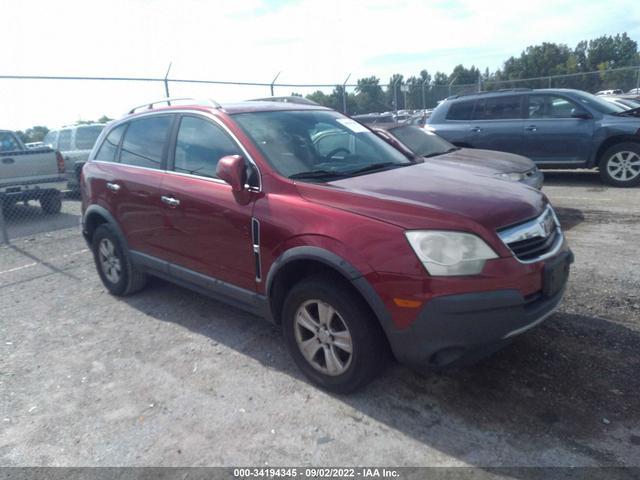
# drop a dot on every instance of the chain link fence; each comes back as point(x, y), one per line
point(39, 187)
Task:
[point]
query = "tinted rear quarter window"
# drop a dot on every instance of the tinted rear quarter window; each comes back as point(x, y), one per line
point(64, 140)
point(86, 137)
point(109, 147)
point(144, 141)
point(499, 108)
point(460, 110)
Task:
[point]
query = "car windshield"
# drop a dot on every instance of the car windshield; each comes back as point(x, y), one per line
point(598, 103)
point(421, 142)
point(318, 145)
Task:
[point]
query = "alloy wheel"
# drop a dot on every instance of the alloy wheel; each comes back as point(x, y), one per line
point(323, 337)
point(624, 166)
point(109, 260)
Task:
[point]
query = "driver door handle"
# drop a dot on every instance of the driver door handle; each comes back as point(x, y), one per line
point(114, 187)
point(172, 202)
point(531, 128)
point(476, 129)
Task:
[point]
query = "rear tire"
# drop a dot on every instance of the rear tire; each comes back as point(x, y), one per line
point(117, 272)
point(324, 318)
point(51, 203)
point(620, 165)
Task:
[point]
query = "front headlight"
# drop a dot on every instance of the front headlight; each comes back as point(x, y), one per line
point(445, 253)
point(515, 177)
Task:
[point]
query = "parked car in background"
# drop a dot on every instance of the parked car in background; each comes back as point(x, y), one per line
point(30, 174)
point(351, 250)
point(625, 101)
point(75, 144)
point(556, 128)
point(634, 91)
point(615, 91)
point(372, 118)
point(34, 144)
point(425, 144)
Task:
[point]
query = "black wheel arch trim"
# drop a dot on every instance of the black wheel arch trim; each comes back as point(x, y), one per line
point(104, 213)
point(342, 266)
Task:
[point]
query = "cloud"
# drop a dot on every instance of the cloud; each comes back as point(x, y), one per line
point(252, 40)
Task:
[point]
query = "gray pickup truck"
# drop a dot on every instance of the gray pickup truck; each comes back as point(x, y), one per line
point(30, 174)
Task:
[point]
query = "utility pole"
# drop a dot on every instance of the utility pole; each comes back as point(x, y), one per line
point(638, 82)
point(451, 83)
point(344, 94)
point(274, 81)
point(424, 98)
point(166, 82)
point(405, 88)
point(395, 95)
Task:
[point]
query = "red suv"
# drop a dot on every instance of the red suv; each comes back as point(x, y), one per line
point(352, 247)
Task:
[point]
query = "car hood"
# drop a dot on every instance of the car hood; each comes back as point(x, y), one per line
point(500, 162)
point(431, 195)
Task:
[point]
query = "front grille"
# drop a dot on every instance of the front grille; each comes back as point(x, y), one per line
point(534, 239)
point(532, 248)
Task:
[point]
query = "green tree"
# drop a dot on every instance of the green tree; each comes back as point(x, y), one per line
point(369, 96)
point(33, 134)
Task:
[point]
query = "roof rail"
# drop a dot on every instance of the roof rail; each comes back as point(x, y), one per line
point(287, 99)
point(149, 105)
point(484, 92)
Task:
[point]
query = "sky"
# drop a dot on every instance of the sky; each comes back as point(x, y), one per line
point(309, 41)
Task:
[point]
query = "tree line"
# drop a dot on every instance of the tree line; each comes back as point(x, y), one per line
point(545, 60)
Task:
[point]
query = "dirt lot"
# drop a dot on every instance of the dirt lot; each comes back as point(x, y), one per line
point(168, 377)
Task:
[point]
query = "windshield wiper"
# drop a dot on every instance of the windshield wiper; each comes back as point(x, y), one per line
point(634, 112)
point(452, 149)
point(312, 174)
point(375, 166)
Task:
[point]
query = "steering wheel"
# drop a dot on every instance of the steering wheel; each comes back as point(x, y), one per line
point(335, 151)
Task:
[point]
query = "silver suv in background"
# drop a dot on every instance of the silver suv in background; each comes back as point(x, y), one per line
point(75, 144)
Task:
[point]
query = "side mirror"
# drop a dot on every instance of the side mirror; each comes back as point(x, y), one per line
point(578, 113)
point(232, 170)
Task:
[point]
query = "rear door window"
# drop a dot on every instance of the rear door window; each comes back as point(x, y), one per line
point(460, 110)
point(109, 147)
point(145, 140)
point(200, 145)
point(64, 140)
point(499, 108)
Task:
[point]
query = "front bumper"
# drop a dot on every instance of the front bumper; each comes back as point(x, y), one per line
point(455, 330)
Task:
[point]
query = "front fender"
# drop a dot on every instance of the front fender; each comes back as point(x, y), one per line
point(348, 270)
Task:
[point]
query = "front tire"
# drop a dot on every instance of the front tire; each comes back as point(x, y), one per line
point(113, 263)
point(332, 335)
point(620, 165)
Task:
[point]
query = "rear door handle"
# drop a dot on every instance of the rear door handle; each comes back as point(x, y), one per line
point(172, 202)
point(476, 129)
point(8, 160)
point(531, 128)
point(114, 187)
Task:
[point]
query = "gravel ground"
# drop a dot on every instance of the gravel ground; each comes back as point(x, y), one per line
point(169, 377)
